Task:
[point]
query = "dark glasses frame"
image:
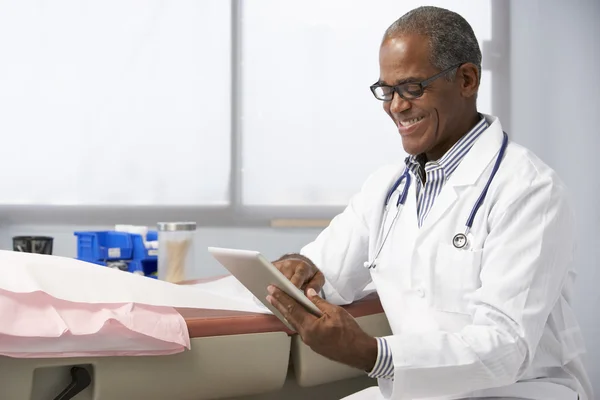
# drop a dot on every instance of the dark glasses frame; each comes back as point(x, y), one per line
point(408, 90)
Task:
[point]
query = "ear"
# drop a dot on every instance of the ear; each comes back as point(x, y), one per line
point(468, 78)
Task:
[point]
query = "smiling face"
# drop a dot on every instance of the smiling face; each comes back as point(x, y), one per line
point(432, 123)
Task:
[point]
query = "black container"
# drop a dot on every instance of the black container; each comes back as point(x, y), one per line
point(33, 244)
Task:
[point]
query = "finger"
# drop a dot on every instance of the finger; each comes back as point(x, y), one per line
point(318, 301)
point(282, 310)
point(300, 275)
point(291, 310)
point(285, 268)
point(316, 282)
point(286, 311)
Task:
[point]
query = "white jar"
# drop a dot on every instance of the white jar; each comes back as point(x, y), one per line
point(176, 251)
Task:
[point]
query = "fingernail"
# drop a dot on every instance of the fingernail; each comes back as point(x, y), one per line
point(269, 298)
point(271, 289)
point(311, 292)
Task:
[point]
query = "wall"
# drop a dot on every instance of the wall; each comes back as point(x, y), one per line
point(271, 242)
point(555, 86)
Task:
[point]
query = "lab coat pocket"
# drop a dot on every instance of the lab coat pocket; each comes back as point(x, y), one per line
point(455, 278)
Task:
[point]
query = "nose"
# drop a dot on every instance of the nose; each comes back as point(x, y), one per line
point(398, 104)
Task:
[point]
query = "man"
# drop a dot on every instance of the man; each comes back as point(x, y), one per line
point(470, 252)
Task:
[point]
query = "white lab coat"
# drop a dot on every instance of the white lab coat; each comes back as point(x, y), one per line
point(470, 322)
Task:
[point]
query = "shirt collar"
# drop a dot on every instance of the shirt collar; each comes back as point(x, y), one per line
point(449, 161)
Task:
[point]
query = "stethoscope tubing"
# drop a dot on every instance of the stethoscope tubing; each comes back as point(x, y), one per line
point(459, 240)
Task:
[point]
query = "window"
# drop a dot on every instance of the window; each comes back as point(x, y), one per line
point(115, 102)
point(197, 105)
point(312, 131)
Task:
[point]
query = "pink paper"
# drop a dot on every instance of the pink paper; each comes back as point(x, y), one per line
point(36, 325)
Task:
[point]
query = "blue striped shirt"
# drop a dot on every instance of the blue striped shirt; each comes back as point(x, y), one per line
point(436, 174)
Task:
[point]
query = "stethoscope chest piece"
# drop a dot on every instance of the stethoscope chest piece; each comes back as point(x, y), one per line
point(459, 240)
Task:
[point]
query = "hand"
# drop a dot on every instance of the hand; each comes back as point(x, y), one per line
point(335, 335)
point(301, 272)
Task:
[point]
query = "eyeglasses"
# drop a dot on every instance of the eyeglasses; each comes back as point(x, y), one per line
point(408, 90)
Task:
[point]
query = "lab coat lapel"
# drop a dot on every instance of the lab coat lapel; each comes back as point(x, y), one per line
point(468, 172)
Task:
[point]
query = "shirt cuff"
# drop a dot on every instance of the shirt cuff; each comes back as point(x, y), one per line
point(384, 366)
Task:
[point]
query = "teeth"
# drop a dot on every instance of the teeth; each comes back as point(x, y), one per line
point(411, 121)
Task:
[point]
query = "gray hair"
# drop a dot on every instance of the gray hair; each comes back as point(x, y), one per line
point(451, 38)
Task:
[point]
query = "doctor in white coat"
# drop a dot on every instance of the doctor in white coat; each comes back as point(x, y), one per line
point(469, 243)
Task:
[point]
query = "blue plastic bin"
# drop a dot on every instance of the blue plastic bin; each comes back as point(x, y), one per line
point(139, 250)
point(144, 260)
point(103, 246)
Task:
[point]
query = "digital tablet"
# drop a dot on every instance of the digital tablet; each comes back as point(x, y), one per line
point(256, 273)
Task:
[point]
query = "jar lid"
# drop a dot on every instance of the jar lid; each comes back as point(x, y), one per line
point(176, 226)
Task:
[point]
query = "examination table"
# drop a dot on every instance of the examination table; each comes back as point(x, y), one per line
point(233, 355)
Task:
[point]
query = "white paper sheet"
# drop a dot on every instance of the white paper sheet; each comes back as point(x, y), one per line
point(234, 290)
point(77, 281)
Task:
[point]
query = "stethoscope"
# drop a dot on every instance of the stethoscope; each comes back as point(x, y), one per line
point(459, 240)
